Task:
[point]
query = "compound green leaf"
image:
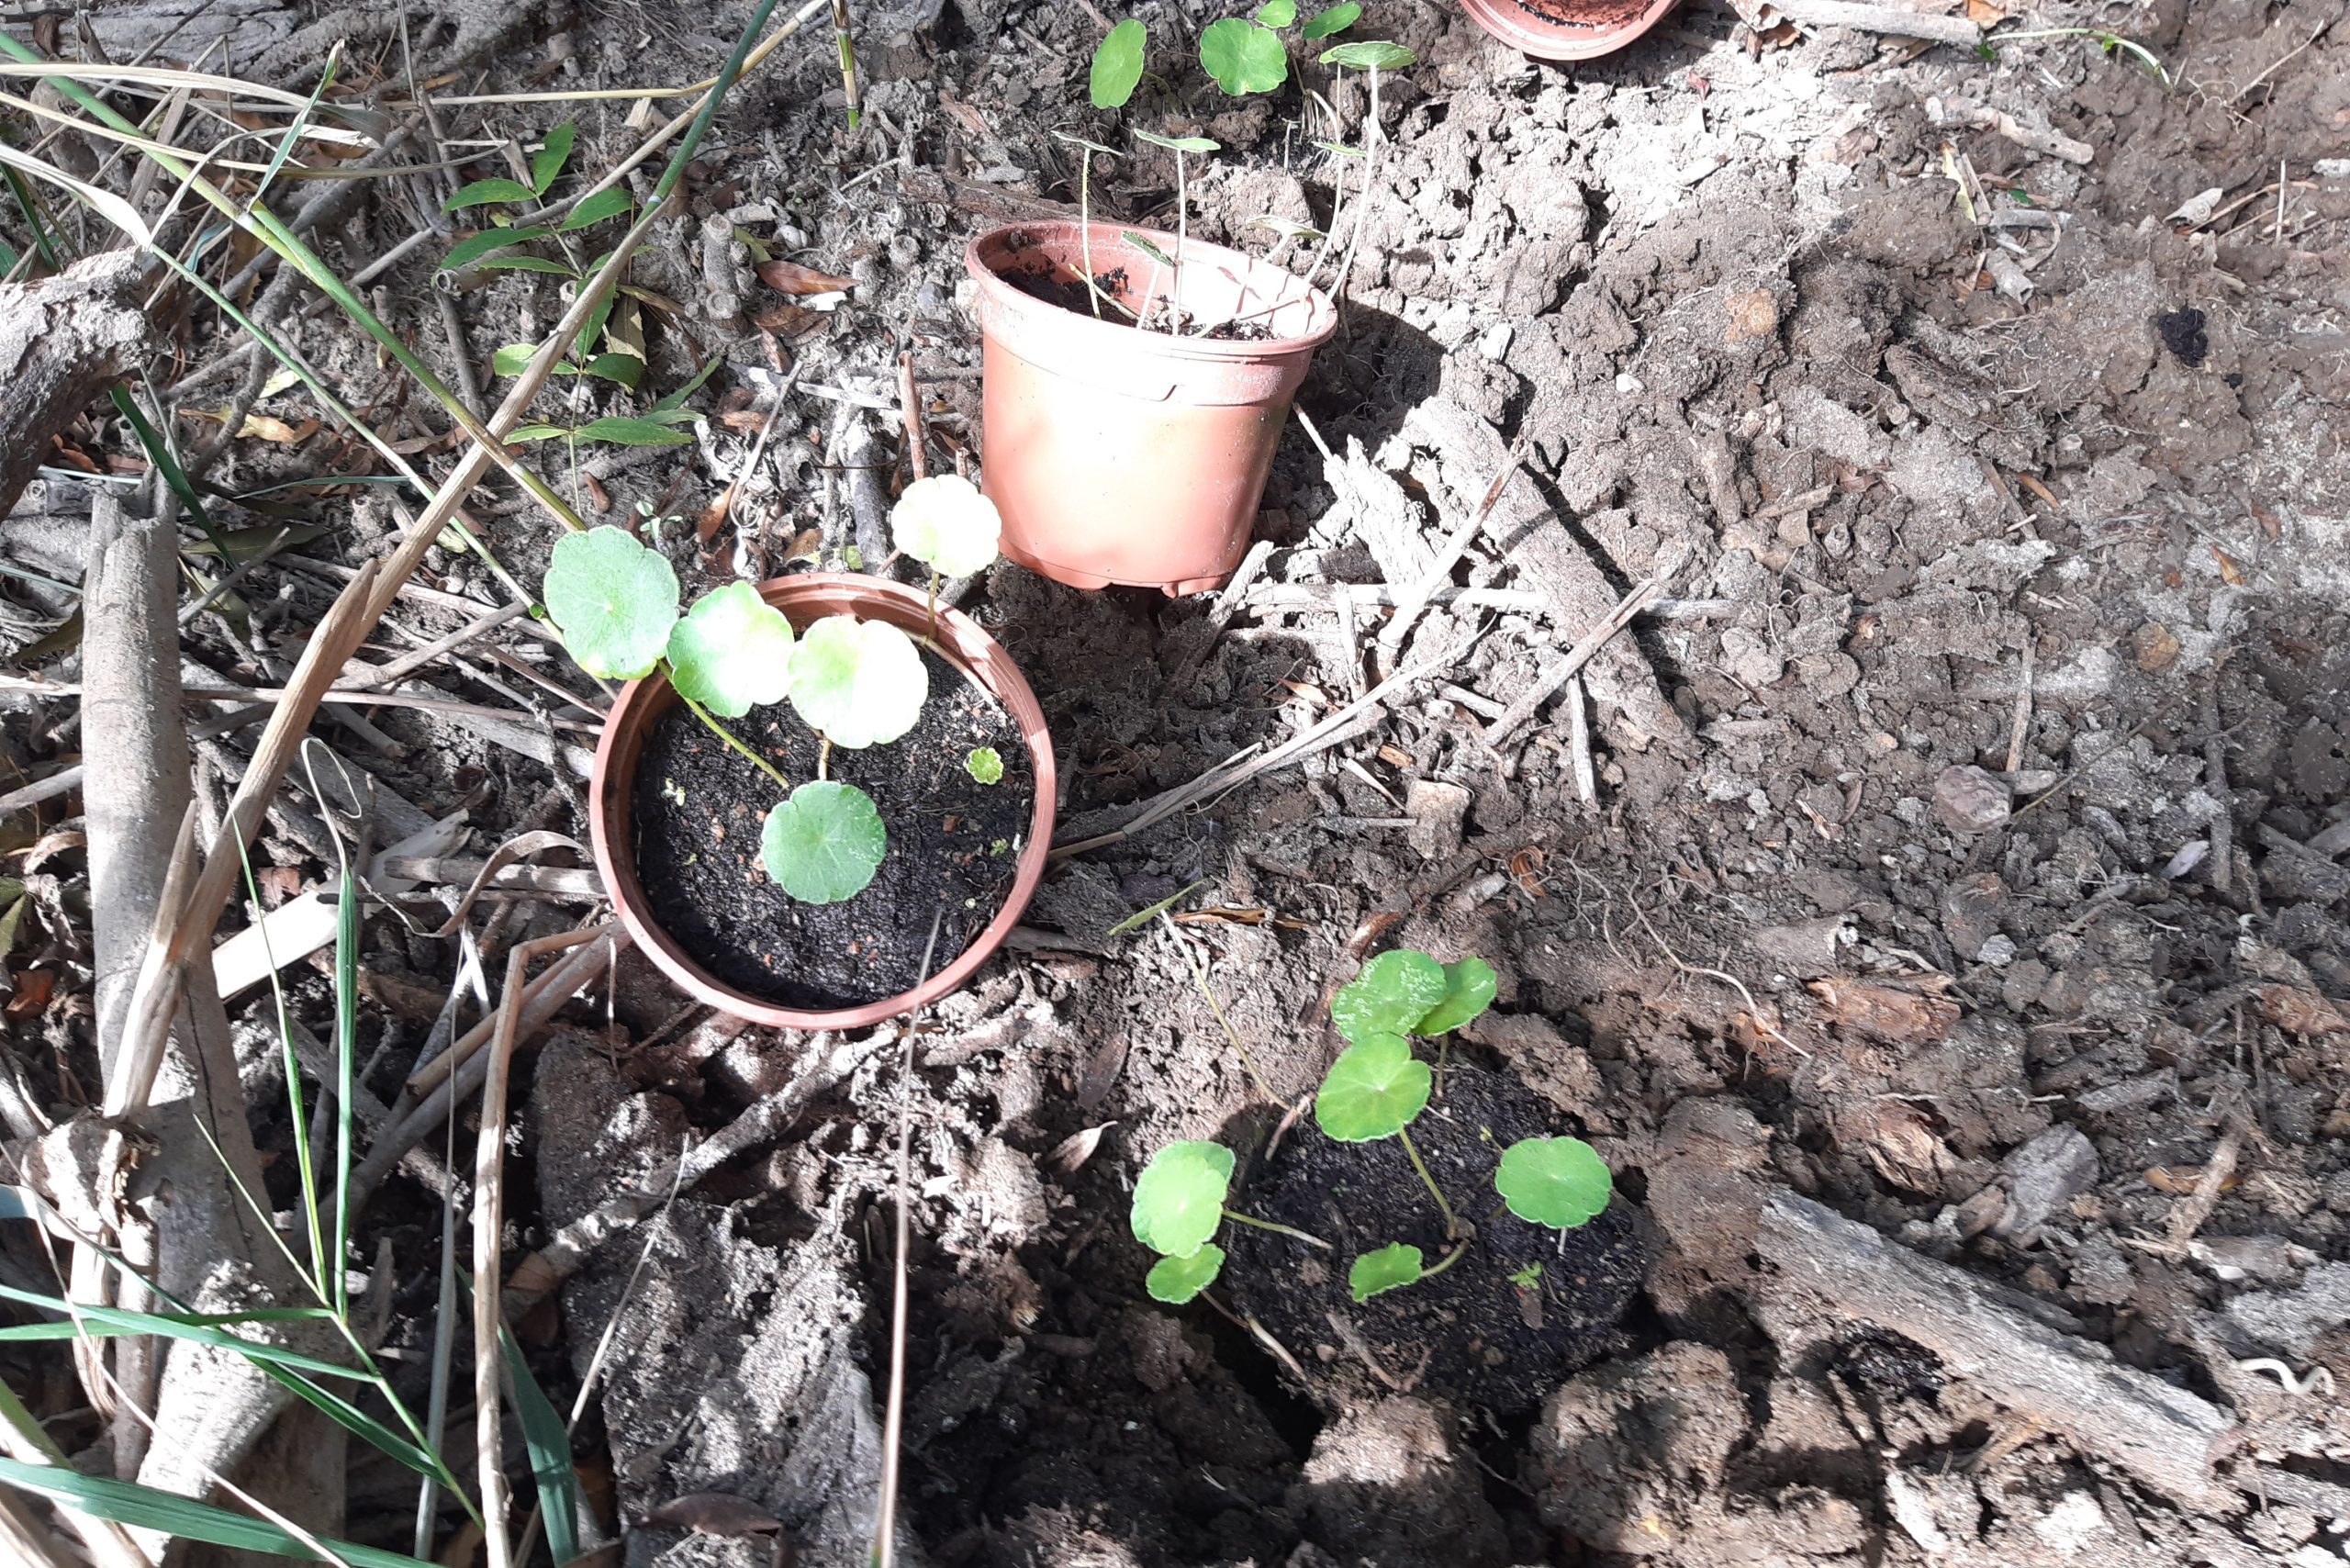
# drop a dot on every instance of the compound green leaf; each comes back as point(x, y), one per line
point(512, 360)
point(482, 192)
point(1335, 20)
point(1558, 1182)
point(549, 160)
point(464, 253)
point(823, 843)
point(1117, 65)
point(732, 652)
point(944, 522)
point(1277, 12)
point(614, 599)
point(596, 208)
point(1391, 1267)
point(1389, 996)
point(1243, 57)
point(622, 431)
point(505, 263)
point(1370, 55)
point(1468, 990)
point(1374, 1091)
point(1177, 1279)
point(985, 765)
point(859, 683)
point(1179, 1198)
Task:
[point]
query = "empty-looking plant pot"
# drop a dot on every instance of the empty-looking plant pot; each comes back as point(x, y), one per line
point(697, 778)
point(1127, 455)
point(1567, 30)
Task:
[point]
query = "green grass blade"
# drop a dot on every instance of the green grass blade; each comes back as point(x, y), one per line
point(143, 1507)
point(294, 127)
point(159, 453)
point(43, 244)
point(304, 1165)
point(357, 1422)
point(346, 1049)
point(121, 1320)
point(549, 1449)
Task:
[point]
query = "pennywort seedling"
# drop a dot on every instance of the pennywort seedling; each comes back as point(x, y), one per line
point(856, 683)
point(985, 765)
point(1179, 1205)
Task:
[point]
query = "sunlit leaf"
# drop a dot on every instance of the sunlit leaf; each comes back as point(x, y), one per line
point(1335, 20)
point(1468, 987)
point(858, 683)
point(1391, 1267)
point(1370, 55)
point(1558, 1182)
point(1117, 65)
point(1389, 996)
point(944, 522)
point(596, 208)
point(823, 843)
point(1374, 1091)
point(464, 253)
point(1177, 1279)
point(545, 164)
point(732, 651)
point(1243, 57)
point(615, 600)
point(1179, 1198)
point(484, 191)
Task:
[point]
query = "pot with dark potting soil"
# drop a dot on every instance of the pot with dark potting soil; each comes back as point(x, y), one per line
point(1129, 425)
point(1567, 30)
point(803, 776)
point(1382, 1216)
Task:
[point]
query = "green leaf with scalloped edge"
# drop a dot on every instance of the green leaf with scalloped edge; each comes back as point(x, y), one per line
point(1558, 1182)
point(1468, 987)
point(985, 765)
point(1243, 57)
point(1177, 1279)
point(1334, 20)
point(1373, 1090)
point(1117, 65)
point(1390, 995)
point(824, 843)
point(614, 601)
point(732, 652)
point(858, 683)
point(1370, 55)
point(944, 523)
point(1178, 1197)
point(1391, 1267)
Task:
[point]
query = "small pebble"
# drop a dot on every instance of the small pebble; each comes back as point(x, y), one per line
point(1969, 801)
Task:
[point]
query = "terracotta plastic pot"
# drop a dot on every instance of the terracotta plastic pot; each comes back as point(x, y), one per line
point(803, 599)
point(1118, 455)
point(1567, 30)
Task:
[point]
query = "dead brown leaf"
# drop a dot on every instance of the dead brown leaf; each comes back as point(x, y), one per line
point(714, 1513)
point(1753, 314)
point(784, 319)
point(1901, 1015)
point(1074, 1150)
point(1223, 915)
point(2184, 1179)
point(1368, 933)
point(791, 277)
point(2156, 648)
point(2232, 573)
point(2300, 1011)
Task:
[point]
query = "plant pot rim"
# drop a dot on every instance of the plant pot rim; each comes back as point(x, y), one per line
point(998, 299)
point(611, 784)
point(1542, 39)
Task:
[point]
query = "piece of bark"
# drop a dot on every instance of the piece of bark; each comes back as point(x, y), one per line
point(1830, 1273)
point(62, 339)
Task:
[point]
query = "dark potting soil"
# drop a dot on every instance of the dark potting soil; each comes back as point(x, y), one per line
point(1478, 1335)
point(1057, 288)
point(955, 845)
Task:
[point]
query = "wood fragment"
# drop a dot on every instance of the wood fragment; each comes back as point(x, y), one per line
point(1829, 1272)
point(1557, 675)
point(1891, 19)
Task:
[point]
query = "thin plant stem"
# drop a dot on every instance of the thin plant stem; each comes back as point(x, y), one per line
point(1374, 138)
point(1449, 1260)
point(823, 756)
point(1451, 1225)
point(849, 62)
point(1201, 976)
point(724, 734)
point(893, 1409)
point(1085, 224)
point(1292, 1231)
point(1182, 237)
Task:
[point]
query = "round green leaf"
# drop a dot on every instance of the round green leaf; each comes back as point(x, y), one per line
point(1243, 57)
point(732, 652)
point(1335, 20)
point(1117, 65)
point(861, 683)
point(1557, 1181)
point(824, 843)
point(946, 524)
point(1179, 1198)
point(985, 765)
point(1389, 996)
point(1374, 1091)
point(1391, 1267)
point(1277, 12)
point(1370, 55)
point(614, 599)
point(1468, 990)
point(1177, 1279)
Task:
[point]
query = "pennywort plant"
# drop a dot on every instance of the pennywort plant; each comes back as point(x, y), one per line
point(1374, 1091)
point(1243, 54)
point(856, 684)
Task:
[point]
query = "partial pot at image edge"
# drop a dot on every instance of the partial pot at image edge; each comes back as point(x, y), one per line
point(802, 600)
point(1122, 456)
point(1589, 27)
